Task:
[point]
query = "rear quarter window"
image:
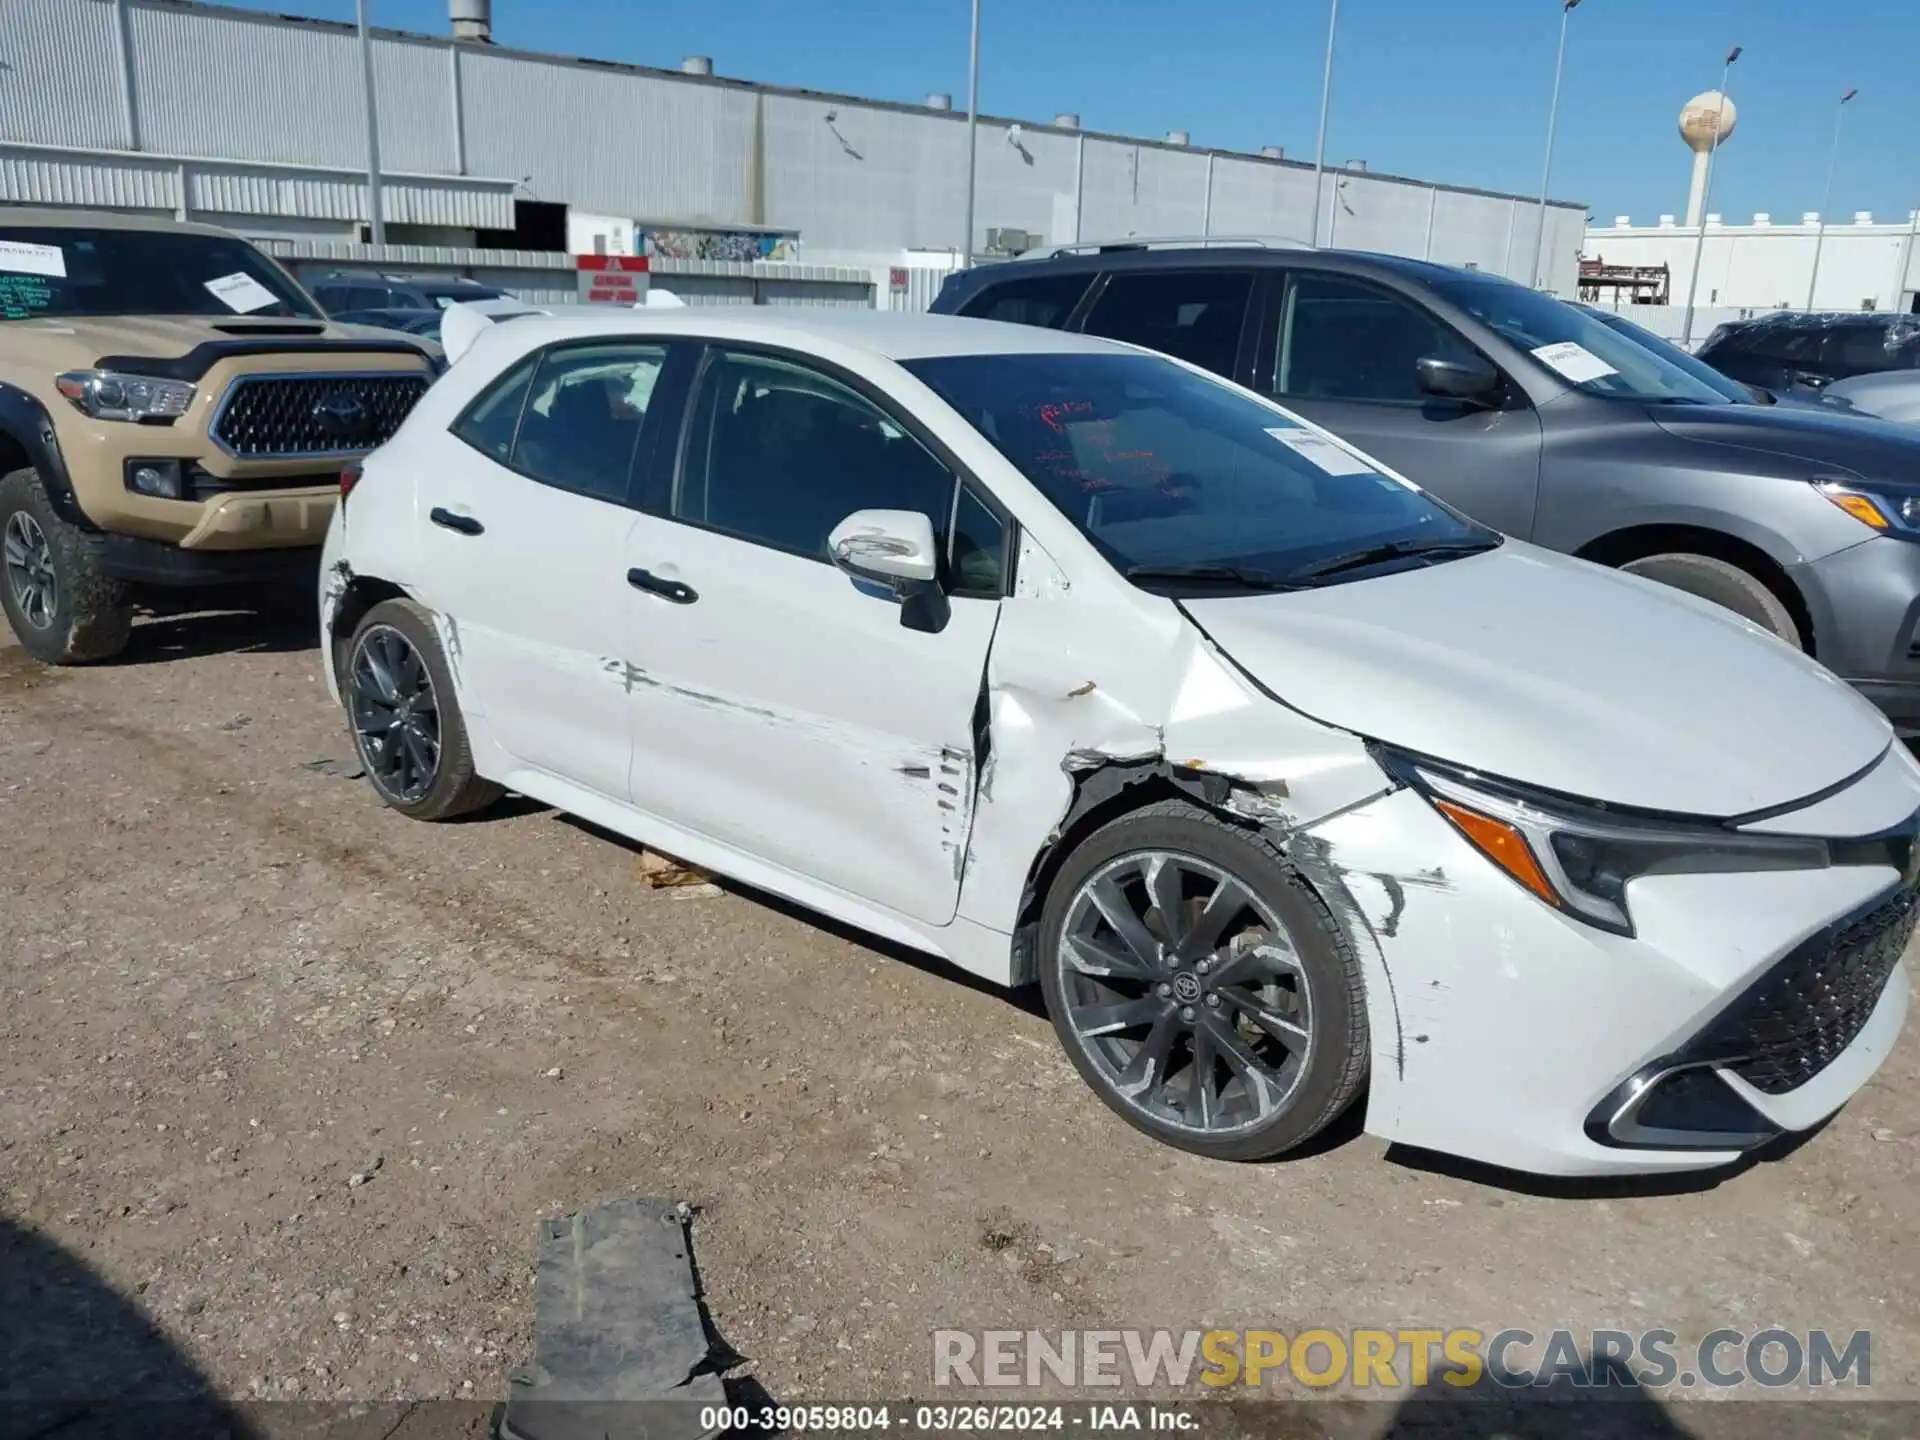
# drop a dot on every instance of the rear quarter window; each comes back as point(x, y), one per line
point(1043, 300)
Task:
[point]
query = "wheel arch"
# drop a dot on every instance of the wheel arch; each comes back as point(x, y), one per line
point(1637, 542)
point(361, 594)
point(29, 441)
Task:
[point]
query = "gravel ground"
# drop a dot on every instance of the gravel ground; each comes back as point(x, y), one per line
point(294, 1077)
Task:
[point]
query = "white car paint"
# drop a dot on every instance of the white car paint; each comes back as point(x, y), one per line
point(787, 732)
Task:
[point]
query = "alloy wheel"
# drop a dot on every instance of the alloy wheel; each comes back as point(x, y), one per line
point(30, 573)
point(1185, 990)
point(396, 717)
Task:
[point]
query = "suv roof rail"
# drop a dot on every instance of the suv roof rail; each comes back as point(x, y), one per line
point(1155, 242)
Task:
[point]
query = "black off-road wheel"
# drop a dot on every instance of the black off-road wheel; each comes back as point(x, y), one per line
point(64, 610)
point(405, 716)
point(1201, 987)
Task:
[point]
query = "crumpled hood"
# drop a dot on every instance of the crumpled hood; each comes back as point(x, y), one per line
point(1547, 670)
point(1831, 442)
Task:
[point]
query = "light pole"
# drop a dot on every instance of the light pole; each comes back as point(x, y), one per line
point(1553, 116)
point(973, 129)
point(1326, 100)
point(1706, 199)
point(377, 229)
point(1820, 234)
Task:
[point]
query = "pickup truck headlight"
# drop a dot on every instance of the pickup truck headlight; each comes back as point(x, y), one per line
point(105, 395)
point(1580, 857)
point(1895, 511)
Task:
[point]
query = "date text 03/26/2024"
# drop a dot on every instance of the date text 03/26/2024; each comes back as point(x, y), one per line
point(950, 1419)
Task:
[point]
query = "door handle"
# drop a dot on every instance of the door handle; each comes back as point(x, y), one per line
point(674, 590)
point(461, 524)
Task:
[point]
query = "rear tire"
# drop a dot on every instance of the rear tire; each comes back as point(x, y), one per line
point(405, 716)
point(1726, 584)
point(1225, 1012)
point(61, 605)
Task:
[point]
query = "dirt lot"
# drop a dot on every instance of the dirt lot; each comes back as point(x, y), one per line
point(295, 1077)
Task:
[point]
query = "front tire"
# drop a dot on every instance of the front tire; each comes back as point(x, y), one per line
point(1724, 583)
point(405, 716)
point(1200, 987)
point(64, 610)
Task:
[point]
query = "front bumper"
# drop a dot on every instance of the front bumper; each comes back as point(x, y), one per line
point(156, 562)
point(1864, 602)
point(1502, 1028)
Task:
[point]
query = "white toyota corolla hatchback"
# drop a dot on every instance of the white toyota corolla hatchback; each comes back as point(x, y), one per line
point(1069, 662)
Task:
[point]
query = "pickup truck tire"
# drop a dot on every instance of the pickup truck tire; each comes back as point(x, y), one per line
point(63, 608)
point(1724, 583)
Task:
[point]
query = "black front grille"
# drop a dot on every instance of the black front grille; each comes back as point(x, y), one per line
point(290, 416)
point(1802, 1013)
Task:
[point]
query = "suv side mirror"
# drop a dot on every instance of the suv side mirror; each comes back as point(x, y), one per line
point(1468, 379)
point(894, 548)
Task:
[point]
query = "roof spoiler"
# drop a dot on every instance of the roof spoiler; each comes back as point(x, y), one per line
point(465, 321)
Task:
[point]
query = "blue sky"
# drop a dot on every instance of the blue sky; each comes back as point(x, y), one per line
point(1446, 91)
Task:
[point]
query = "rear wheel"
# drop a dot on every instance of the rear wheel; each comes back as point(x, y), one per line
point(1200, 987)
point(406, 718)
point(1724, 583)
point(61, 606)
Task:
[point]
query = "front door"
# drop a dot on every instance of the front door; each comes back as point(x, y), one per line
point(528, 547)
point(1342, 353)
point(779, 706)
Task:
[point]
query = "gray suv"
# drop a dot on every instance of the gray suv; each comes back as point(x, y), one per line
point(1537, 418)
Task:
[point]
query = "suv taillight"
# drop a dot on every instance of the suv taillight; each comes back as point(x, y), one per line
point(349, 477)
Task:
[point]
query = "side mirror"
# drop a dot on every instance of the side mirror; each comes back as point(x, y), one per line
point(1471, 379)
point(894, 548)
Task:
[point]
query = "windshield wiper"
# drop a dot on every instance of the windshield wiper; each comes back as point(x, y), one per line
point(1212, 574)
point(1385, 551)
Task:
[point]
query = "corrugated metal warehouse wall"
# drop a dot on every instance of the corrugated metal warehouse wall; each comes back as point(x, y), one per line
point(852, 177)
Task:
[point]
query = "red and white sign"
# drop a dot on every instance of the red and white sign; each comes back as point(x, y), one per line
point(611, 279)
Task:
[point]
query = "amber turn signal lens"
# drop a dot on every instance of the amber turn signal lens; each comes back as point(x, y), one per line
point(1502, 844)
point(1858, 506)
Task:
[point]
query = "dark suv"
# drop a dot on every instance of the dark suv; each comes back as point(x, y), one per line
point(342, 291)
point(1538, 418)
point(1785, 350)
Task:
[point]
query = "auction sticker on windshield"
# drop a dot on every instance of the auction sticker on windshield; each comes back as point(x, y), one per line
point(23, 257)
point(1574, 362)
point(241, 293)
point(1322, 452)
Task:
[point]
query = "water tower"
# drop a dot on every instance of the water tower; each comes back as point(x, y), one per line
point(1705, 120)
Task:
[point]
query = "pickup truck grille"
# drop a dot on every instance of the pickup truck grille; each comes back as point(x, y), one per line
point(293, 417)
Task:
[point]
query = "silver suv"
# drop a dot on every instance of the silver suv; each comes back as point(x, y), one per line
point(1539, 419)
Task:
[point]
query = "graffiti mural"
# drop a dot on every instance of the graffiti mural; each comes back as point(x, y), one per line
point(735, 245)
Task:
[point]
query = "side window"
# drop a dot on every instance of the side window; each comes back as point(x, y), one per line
point(1195, 315)
point(583, 416)
point(977, 549)
point(1861, 349)
point(1043, 300)
point(334, 297)
point(779, 454)
point(1342, 341)
point(489, 423)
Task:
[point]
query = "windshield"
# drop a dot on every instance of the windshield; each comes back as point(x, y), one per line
point(1673, 354)
point(69, 273)
point(1578, 346)
point(1163, 468)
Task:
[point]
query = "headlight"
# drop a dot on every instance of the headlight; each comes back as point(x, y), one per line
point(1580, 858)
point(108, 396)
point(1897, 512)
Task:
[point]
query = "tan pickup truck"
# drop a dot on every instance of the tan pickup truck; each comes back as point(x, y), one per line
point(174, 411)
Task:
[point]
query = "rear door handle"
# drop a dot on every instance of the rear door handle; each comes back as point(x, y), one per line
point(674, 590)
point(461, 524)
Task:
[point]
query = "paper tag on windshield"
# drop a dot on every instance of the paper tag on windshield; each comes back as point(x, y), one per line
point(24, 258)
point(1322, 452)
point(1574, 362)
point(241, 293)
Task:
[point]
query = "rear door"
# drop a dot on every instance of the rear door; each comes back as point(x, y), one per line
point(1342, 351)
point(527, 543)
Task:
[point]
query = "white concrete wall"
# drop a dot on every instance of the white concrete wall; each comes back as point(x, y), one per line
point(1769, 266)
